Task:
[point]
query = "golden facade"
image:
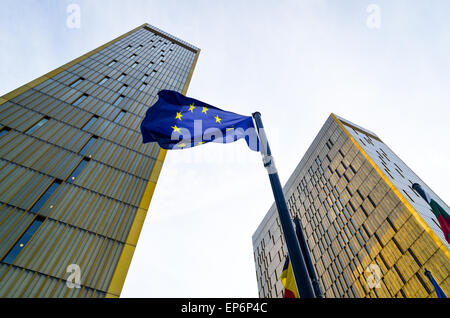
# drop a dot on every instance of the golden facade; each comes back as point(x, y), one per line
point(76, 180)
point(369, 233)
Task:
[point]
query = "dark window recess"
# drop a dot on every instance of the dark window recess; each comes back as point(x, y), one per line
point(75, 83)
point(408, 195)
point(78, 170)
point(119, 116)
point(118, 100)
point(328, 146)
point(353, 169)
point(90, 122)
point(134, 64)
point(419, 277)
point(143, 86)
point(399, 274)
point(364, 210)
point(414, 257)
point(128, 47)
point(436, 223)
point(371, 201)
point(44, 197)
point(348, 190)
point(132, 56)
point(103, 80)
point(362, 141)
point(80, 100)
point(88, 145)
point(360, 195)
point(23, 240)
point(140, 46)
point(153, 73)
point(398, 245)
point(144, 77)
point(37, 125)
point(346, 178)
point(124, 87)
point(4, 131)
point(351, 205)
point(161, 63)
point(391, 224)
point(112, 63)
point(121, 76)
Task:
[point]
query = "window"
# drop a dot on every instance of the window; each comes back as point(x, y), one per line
point(143, 86)
point(132, 56)
point(120, 91)
point(161, 63)
point(144, 78)
point(112, 63)
point(44, 198)
point(78, 170)
point(152, 73)
point(128, 47)
point(37, 125)
point(90, 122)
point(79, 100)
point(75, 83)
point(103, 80)
point(119, 116)
point(118, 100)
point(134, 64)
point(4, 131)
point(140, 46)
point(121, 76)
point(23, 240)
point(88, 145)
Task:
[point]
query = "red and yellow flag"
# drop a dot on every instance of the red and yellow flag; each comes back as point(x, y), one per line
point(288, 280)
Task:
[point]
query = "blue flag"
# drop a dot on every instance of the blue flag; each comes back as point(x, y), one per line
point(177, 122)
point(439, 292)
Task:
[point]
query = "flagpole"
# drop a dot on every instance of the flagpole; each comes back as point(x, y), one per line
point(307, 255)
point(304, 286)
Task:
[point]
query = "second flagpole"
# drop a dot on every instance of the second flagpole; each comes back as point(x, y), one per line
point(302, 280)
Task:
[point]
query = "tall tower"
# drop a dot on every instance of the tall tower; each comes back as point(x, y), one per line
point(369, 233)
point(75, 179)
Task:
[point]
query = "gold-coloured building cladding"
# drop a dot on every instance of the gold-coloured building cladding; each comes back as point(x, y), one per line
point(369, 233)
point(75, 179)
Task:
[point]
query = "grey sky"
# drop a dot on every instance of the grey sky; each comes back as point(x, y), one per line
point(295, 62)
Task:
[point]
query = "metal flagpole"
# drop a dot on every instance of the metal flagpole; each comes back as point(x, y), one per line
point(304, 286)
point(307, 255)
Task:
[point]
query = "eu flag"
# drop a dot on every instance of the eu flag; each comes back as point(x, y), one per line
point(177, 122)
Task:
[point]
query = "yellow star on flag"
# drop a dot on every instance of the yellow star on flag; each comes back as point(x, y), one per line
point(205, 109)
point(179, 116)
point(191, 108)
point(200, 143)
point(218, 119)
point(182, 145)
point(176, 129)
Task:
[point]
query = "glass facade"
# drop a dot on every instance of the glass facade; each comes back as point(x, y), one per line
point(368, 232)
point(76, 180)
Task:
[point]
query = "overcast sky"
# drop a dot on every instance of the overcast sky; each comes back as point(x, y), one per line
point(295, 62)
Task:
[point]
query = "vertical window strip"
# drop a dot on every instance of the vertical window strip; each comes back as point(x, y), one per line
point(76, 172)
point(45, 196)
point(23, 240)
point(37, 125)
